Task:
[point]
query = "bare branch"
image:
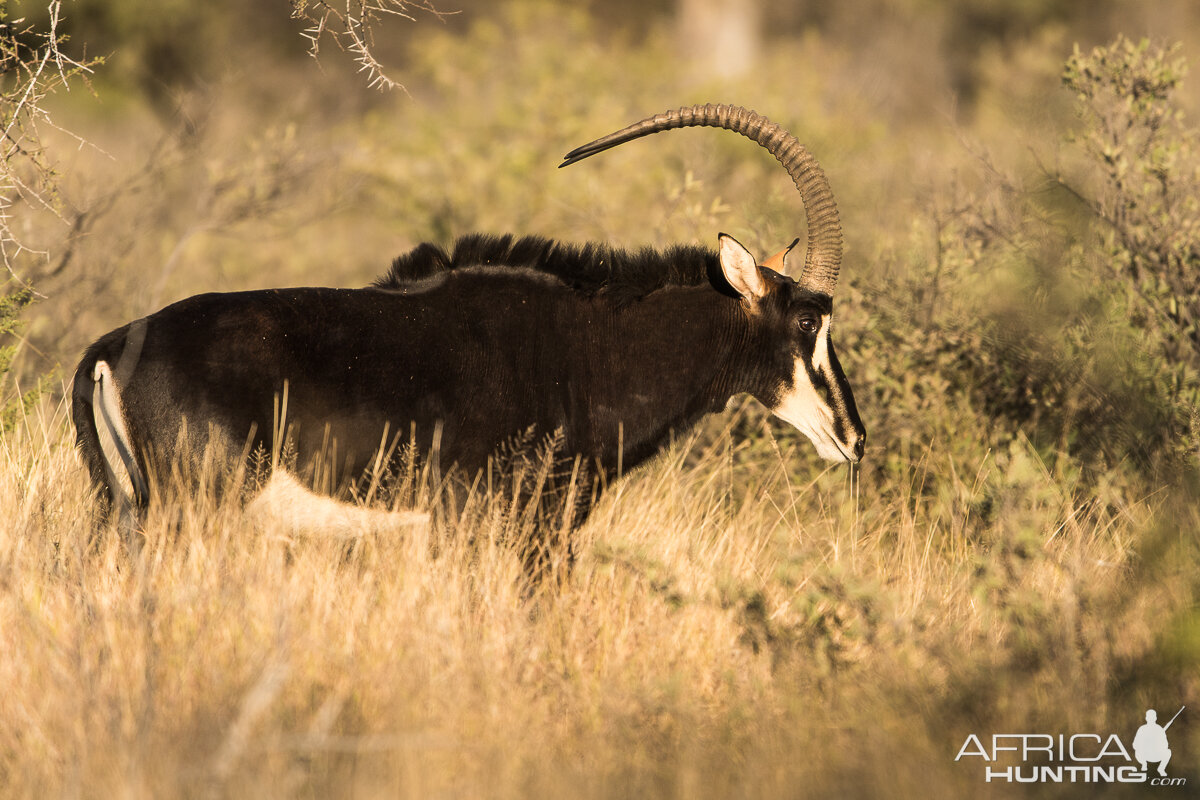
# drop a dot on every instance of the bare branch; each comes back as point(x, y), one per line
point(32, 67)
point(352, 29)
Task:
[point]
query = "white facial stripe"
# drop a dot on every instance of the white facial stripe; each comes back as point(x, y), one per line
point(820, 360)
point(804, 407)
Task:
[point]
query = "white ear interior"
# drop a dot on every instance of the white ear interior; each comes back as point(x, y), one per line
point(740, 269)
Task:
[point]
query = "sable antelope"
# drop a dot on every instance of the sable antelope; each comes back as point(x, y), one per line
point(603, 350)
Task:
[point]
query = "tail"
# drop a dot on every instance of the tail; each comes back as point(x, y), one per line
point(104, 441)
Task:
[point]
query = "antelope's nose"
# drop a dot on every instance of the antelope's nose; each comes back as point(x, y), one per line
point(859, 448)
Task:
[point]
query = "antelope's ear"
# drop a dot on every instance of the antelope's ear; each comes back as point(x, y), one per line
point(739, 268)
point(780, 261)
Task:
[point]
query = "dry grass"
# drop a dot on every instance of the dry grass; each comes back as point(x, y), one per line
point(725, 632)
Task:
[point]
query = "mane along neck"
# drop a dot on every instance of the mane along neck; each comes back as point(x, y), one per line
point(588, 268)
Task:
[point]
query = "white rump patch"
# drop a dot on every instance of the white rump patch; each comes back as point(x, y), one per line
point(285, 501)
point(125, 479)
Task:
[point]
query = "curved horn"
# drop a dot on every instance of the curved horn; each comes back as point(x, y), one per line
point(824, 254)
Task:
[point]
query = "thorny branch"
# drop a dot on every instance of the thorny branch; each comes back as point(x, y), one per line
point(32, 67)
point(352, 29)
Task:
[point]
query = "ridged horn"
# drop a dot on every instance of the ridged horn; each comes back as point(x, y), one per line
point(824, 255)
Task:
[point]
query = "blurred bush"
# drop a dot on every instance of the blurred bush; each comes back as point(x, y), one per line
point(987, 297)
point(33, 67)
point(1145, 193)
point(1056, 303)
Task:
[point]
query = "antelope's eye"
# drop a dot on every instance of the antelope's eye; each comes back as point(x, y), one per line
point(809, 324)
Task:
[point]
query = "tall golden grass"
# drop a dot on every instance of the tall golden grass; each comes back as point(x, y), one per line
point(725, 632)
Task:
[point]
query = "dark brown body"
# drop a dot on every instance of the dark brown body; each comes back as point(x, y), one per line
point(503, 345)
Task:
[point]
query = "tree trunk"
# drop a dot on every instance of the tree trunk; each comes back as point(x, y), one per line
point(720, 38)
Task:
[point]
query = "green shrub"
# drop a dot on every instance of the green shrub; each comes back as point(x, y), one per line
point(14, 403)
point(1145, 193)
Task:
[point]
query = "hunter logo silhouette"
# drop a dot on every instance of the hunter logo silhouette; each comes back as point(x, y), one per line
point(1150, 742)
